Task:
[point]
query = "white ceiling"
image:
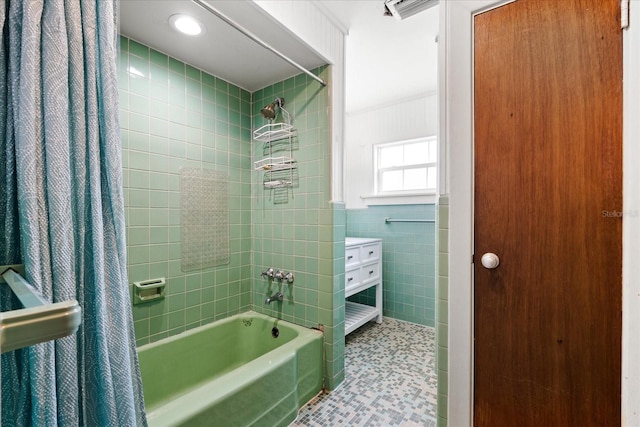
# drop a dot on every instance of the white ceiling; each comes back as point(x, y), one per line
point(387, 60)
point(221, 50)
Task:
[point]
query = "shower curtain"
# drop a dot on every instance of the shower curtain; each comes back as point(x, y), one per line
point(62, 212)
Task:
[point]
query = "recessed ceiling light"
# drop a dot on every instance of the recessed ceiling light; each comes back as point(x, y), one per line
point(186, 24)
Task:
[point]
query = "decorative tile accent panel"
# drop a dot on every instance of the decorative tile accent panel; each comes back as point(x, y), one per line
point(408, 259)
point(390, 380)
point(204, 218)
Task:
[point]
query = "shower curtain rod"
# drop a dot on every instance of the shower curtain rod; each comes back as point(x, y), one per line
point(255, 38)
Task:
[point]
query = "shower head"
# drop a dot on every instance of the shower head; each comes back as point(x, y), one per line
point(271, 110)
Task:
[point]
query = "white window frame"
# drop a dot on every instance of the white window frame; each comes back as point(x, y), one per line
point(377, 171)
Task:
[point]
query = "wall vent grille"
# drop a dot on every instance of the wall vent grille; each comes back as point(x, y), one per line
point(402, 9)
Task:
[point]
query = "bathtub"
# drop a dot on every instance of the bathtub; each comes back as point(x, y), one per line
point(233, 372)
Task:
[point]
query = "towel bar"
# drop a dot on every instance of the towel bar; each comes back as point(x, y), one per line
point(38, 321)
point(388, 220)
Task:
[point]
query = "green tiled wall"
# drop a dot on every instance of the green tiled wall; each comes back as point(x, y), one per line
point(174, 115)
point(408, 259)
point(293, 229)
point(442, 312)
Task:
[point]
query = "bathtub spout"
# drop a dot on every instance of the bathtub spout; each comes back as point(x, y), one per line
point(277, 297)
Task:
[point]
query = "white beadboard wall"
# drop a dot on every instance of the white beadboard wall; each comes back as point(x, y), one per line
point(312, 26)
point(407, 119)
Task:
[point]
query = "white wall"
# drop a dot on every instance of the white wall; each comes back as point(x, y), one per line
point(406, 119)
point(308, 22)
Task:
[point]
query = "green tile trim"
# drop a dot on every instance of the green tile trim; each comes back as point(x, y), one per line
point(442, 314)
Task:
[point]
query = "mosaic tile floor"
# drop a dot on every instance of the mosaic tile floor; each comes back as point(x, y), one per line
point(390, 380)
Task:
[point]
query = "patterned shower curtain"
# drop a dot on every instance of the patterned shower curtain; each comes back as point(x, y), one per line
point(62, 212)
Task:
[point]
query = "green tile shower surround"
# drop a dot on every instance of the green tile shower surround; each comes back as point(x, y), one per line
point(174, 115)
point(306, 234)
point(408, 259)
point(207, 374)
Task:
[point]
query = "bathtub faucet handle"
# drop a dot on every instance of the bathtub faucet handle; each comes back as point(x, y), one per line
point(289, 277)
point(268, 273)
point(279, 275)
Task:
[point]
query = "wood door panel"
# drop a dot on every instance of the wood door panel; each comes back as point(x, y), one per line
point(548, 163)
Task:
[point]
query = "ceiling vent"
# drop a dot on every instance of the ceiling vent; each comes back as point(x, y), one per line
point(402, 9)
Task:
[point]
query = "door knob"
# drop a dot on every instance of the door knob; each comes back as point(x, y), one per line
point(490, 260)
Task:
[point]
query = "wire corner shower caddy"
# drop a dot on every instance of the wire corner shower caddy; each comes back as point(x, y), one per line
point(277, 138)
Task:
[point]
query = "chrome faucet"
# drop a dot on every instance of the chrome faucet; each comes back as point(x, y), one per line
point(277, 297)
point(268, 273)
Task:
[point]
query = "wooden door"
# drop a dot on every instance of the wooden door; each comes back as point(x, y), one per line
point(548, 202)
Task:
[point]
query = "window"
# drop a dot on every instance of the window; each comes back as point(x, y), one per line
point(406, 167)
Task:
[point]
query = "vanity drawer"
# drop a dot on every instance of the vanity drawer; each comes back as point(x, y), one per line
point(370, 252)
point(351, 256)
point(351, 278)
point(370, 272)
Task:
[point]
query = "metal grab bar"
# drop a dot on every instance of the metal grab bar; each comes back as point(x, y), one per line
point(388, 220)
point(38, 321)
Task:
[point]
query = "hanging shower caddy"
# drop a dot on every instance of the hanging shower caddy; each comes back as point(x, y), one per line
point(279, 170)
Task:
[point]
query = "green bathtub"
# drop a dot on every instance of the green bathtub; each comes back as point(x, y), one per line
point(232, 373)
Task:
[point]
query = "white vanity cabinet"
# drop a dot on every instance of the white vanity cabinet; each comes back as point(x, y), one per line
point(363, 270)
